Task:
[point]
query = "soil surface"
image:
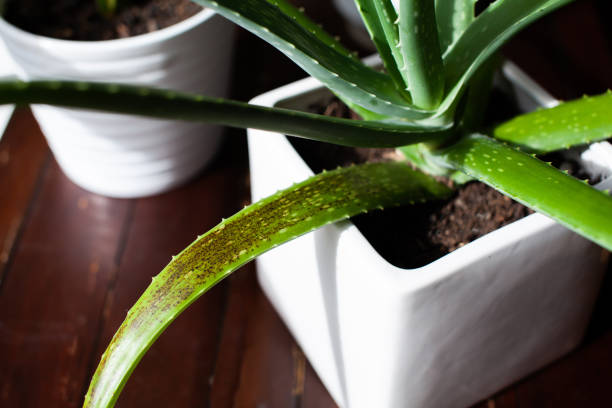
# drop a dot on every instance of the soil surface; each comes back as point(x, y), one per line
point(415, 235)
point(80, 20)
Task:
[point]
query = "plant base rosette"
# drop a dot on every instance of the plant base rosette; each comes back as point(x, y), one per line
point(444, 335)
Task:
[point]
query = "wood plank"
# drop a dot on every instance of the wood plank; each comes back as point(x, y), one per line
point(503, 399)
point(315, 393)
point(507, 400)
point(267, 372)
point(580, 380)
point(241, 298)
point(244, 377)
point(53, 294)
point(274, 371)
point(23, 154)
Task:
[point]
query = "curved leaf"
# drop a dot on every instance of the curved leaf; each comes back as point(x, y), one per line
point(322, 199)
point(491, 29)
point(380, 18)
point(571, 123)
point(420, 46)
point(299, 17)
point(174, 105)
point(535, 184)
point(346, 76)
point(452, 18)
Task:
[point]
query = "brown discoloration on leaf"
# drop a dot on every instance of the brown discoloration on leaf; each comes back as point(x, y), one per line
point(320, 200)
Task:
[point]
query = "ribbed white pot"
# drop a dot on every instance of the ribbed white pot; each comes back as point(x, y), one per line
point(122, 155)
point(444, 335)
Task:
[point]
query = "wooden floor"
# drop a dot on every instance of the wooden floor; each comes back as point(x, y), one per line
point(72, 263)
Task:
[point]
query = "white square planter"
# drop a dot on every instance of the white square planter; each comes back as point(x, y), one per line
point(444, 335)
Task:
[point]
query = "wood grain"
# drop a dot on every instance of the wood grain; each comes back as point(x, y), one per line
point(53, 292)
point(23, 158)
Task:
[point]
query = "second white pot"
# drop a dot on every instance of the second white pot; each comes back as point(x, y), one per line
point(121, 155)
point(444, 335)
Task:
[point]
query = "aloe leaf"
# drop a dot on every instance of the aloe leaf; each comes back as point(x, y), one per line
point(380, 18)
point(420, 47)
point(452, 18)
point(174, 105)
point(320, 200)
point(106, 7)
point(492, 28)
point(535, 184)
point(572, 123)
point(346, 76)
point(297, 14)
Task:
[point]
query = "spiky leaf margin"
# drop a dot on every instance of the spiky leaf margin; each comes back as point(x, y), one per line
point(535, 184)
point(452, 18)
point(320, 200)
point(346, 76)
point(572, 123)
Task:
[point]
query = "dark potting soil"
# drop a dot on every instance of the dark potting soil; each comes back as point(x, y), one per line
point(80, 20)
point(415, 235)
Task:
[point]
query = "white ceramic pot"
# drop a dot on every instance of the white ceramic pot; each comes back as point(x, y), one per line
point(121, 155)
point(444, 335)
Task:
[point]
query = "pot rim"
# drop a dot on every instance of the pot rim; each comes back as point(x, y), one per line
point(73, 46)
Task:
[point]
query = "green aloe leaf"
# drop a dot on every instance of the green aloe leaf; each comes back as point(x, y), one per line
point(452, 18)
point(174, 105)
point(420, 46)
point(297, 14)
point(320, 200)
point(535, 184)
point(491, 29)
point(380, 18)
point(106, 7)
point(572, 123)
point(346, 76)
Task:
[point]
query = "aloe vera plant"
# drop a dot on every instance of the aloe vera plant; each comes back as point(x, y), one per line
point(437, 58)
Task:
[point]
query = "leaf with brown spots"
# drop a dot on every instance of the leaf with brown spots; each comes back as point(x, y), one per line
point(320, 200)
